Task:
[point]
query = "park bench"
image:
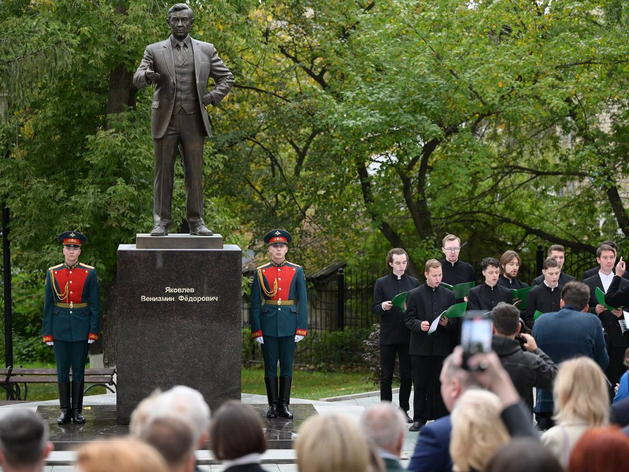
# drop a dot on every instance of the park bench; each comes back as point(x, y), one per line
point(15, 380)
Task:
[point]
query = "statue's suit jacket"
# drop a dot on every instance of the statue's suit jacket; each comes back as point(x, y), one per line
point(207, 64)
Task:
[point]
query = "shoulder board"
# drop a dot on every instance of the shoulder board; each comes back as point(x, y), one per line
point(263, 266)
point(55, 267)
point(86, 266)
point(293, 264)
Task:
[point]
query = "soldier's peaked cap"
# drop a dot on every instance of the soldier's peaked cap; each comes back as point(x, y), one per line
point(277, 236)
point(72, 238)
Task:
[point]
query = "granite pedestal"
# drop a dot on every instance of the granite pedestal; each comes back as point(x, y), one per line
point(178, 322)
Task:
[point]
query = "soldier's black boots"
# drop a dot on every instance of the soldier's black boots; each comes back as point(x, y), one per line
point(64, 403)
point(271, 394)
point(77, 402)
point(284, 401)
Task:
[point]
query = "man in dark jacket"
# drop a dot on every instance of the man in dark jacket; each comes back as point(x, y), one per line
point(488, 294)
point(455, 271)
point(510, 263)
point(425, 304)
point(594, 270)
point(617, 296)
point(528, 365)
point(557, 252)
point(432, 451)
point(545, 297)
point(569, 333)
point(394, 335)
point(613, 321)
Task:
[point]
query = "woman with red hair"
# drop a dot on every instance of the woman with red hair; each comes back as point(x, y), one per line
point(600, 450)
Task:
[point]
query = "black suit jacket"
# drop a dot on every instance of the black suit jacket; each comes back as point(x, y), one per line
point(457, 273)
point(484, 297)
point(594, 270)
point(255, 467)
point(393, 328)
point(609, 320)
point(563, 279)
point(618, 292)
point(207, 63)
point(541, 298)
point(511, 284)
point(425, 303)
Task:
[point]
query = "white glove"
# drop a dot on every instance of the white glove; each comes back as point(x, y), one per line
point(260, 340)
point(49, 343)
point(90, 341)
point(298, 338)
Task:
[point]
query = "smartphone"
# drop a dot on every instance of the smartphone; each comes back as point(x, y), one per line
point(476, 336)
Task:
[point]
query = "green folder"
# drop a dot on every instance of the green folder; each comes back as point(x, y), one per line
point(455, 311)
point(400, 301)
point(521, 294)
point(600, 298)
point(460, 290)
point(537, 314)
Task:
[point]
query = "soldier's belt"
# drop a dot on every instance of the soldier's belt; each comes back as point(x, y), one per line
point(71, 305)
point(278, 302)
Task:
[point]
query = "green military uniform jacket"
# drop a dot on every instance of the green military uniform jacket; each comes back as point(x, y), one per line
point(71, 304)
point(279, 304)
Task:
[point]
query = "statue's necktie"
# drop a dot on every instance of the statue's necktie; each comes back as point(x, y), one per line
point(181, 53)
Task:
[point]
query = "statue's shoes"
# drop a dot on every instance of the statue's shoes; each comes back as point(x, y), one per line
point(159, 230)
point(201, 230)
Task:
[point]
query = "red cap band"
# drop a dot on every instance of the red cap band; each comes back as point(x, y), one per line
point(278, 239)
point(71, 242)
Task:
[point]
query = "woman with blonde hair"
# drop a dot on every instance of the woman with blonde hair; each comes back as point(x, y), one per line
point(333, 443)
point(477, 430)
point(122, 455)
point(581, 402)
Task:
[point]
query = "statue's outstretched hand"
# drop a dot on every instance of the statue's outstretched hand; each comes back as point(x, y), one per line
point(151, 75)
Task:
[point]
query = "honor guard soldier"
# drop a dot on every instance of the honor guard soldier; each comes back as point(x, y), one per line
point(71, 322)
point(279, 318)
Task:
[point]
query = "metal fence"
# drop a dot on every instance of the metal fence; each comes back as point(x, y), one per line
point(342, 299)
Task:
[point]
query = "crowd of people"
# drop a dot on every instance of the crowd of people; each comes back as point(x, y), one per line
point(473, 411)
point(564, 341)
point(489, 428)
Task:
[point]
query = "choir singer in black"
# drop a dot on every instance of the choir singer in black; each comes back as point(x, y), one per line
point(394, 335)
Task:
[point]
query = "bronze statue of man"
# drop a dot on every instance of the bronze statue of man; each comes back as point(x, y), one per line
point(179, 68)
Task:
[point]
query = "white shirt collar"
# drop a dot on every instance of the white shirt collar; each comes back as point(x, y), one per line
point(248, 459)
point(606, 280)
point(552, 289)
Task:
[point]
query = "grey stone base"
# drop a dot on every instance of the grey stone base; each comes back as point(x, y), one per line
point(178, 241)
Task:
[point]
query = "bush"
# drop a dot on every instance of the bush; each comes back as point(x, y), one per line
point(31, 350)
point(333, 349)
point(28, 302)
point(321, 350)
point(251, 350)
point(371, 354)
